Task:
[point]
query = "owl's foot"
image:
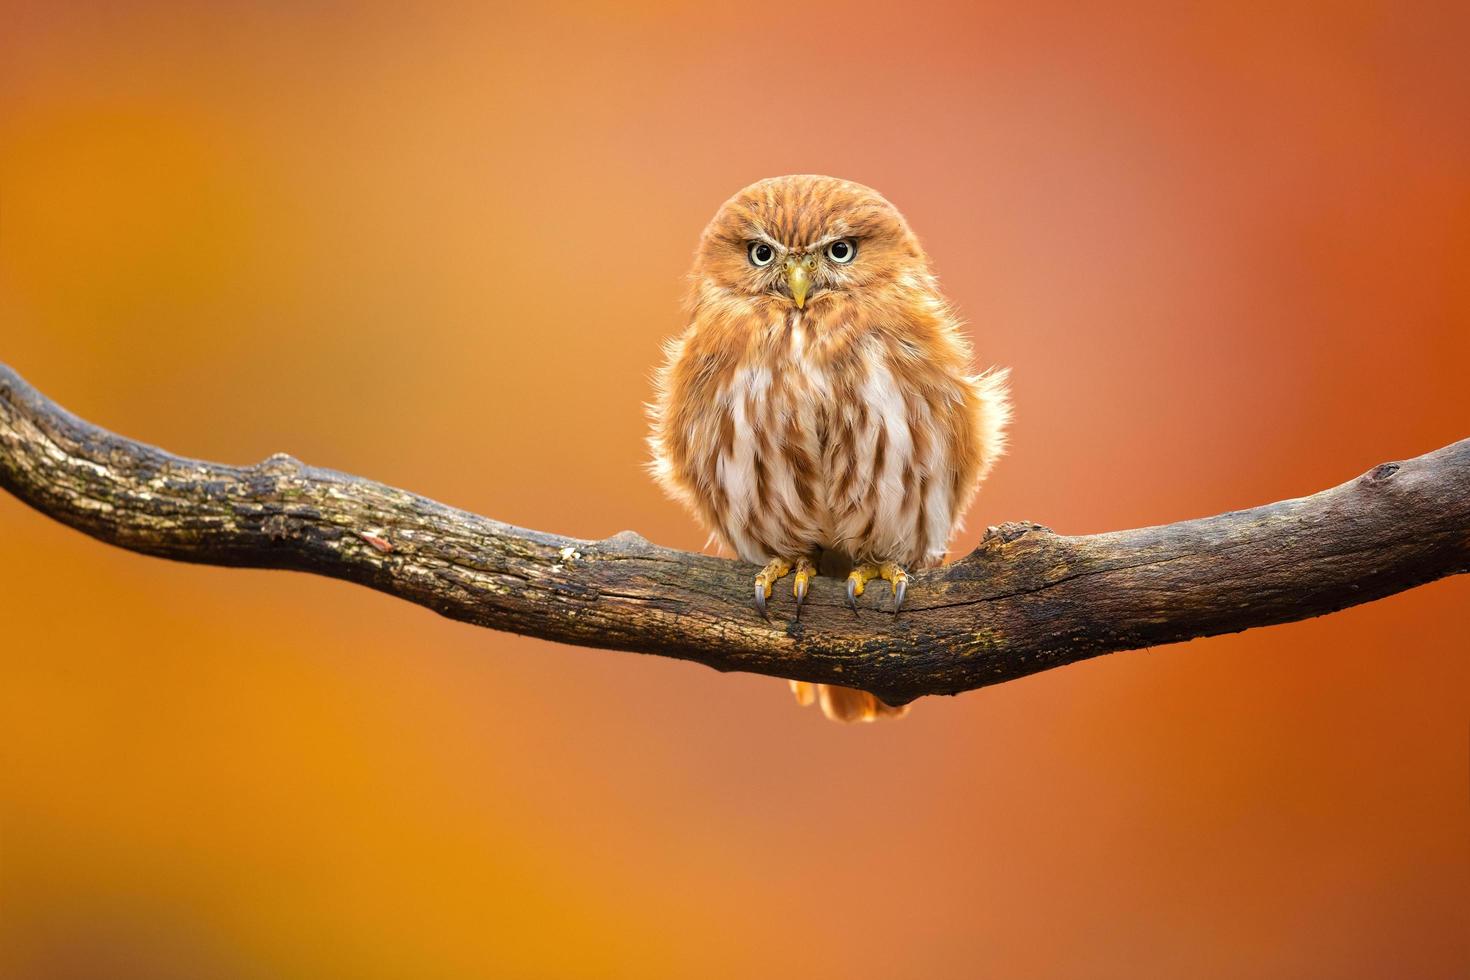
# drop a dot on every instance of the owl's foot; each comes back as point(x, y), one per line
point(865, 572)
point(777, 569)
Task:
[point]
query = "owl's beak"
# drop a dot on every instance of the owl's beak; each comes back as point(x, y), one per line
point(799, 278)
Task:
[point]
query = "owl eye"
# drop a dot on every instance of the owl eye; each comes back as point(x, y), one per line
point(842, 251)
point(761, 253)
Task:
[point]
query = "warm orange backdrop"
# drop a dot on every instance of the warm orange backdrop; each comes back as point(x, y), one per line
point(1226, 254)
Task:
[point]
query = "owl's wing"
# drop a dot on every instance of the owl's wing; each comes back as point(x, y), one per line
point(685, 429)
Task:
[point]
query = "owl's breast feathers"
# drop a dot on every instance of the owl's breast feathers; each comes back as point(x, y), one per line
point(821, 400)
point(852, 426)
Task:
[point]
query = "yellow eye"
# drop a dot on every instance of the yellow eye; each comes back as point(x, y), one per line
point(761, 253)
point(842, 251)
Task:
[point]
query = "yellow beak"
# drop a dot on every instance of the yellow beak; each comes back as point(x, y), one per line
point(799, 278)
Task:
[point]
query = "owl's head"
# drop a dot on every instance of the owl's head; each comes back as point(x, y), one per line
point(801, 239)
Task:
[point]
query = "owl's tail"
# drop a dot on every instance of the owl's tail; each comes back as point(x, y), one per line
point(842, 703)
point(845, 703)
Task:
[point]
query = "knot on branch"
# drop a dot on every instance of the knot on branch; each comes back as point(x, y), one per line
point(631, 539)
point(280, 464)
point(1011, 531)
point(1000, 538)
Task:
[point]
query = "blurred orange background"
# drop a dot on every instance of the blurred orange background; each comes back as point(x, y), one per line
point(1225, 251)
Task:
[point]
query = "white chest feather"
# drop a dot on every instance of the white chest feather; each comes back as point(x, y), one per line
point(831, 458)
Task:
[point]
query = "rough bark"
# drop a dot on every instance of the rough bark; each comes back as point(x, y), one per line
point(1025, 600)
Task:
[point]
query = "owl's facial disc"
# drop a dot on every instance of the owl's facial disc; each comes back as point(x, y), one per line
point(799, 269)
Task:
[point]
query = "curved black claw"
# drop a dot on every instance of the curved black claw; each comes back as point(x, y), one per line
point(800, 594)
point(852, 593)
point(899, 591)
point(760, 600)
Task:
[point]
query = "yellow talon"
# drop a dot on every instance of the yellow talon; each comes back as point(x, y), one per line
point(806, 570)
point(775, 569)
point(778, 568)
point(865, 572)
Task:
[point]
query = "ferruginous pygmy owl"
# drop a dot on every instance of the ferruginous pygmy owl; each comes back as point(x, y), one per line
point(820, 411)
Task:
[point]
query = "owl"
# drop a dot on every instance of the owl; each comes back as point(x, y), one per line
point(820, 410)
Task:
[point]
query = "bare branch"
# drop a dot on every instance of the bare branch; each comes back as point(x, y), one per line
point(1025, 600)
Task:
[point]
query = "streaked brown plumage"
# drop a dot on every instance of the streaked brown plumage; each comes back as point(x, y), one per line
point(821, 403)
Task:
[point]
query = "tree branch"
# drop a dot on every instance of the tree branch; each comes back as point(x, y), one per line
point(1025, 600)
